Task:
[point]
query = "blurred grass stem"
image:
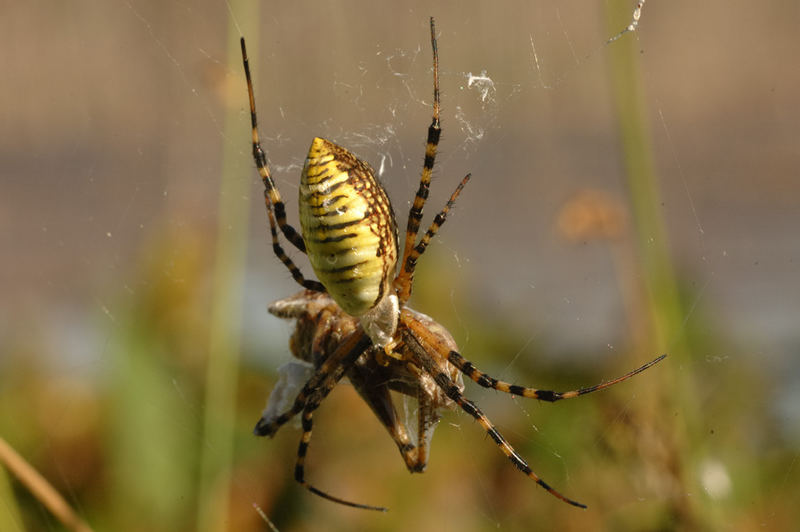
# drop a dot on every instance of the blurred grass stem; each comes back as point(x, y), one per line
point(44, 492)
point(227, 299)
point(662, 299)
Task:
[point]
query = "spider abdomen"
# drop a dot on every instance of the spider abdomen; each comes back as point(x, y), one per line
point(348, 226)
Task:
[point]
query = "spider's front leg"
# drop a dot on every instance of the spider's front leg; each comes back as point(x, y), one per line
point(486, 381)
point(483, 379)
point(320, 384)
point(424, 358)
point(299, 468)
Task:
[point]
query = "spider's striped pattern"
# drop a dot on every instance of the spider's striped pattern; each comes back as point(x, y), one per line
point(354, 321)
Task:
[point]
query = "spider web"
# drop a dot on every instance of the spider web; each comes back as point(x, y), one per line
point(114, 134)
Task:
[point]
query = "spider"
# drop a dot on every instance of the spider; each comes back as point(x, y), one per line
point(354, 322)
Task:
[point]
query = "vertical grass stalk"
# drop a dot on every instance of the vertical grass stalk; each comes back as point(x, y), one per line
point(652, 245)
point(227, 301)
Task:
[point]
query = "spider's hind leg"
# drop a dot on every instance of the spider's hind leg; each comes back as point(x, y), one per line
point(272, 197)
point(413, 250)
point(297, 275)
point(403, 281)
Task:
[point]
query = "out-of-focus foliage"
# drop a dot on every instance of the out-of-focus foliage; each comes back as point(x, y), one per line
point(120, 119)
point(131, 440)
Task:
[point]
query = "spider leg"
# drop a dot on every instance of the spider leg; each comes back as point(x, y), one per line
point(486, 381)
point(428, 364)
point(321, 383)
point(468, 369)
point(272, 196)
point(297, 275)
point(299, 468)
point(411, 262)
point(403, 281)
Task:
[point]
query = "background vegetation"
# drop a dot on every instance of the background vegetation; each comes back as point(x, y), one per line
point(629, 198)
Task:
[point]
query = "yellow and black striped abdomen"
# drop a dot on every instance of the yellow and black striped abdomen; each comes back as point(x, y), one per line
point(348, 227)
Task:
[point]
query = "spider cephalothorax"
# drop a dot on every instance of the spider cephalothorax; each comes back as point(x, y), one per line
point(354, 321)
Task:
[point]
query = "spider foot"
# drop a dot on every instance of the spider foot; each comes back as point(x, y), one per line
point(266, 427)
point(417, 468)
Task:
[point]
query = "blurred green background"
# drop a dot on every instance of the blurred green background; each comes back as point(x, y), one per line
point(627, 199)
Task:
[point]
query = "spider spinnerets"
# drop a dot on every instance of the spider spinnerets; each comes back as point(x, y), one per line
point(354, 321)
